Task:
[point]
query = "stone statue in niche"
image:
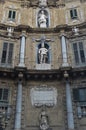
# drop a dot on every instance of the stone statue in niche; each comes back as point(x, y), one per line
point(42, 19)
point(43, 119)
point(43, 53)
point(42, 2)
point(75, 30)
point(10, 31)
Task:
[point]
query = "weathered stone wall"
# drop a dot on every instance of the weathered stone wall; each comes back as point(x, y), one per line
point(56, 114)
point(28, 15)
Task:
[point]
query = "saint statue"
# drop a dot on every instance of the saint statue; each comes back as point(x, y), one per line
point(42, 19)
point(10, 31)
point(75, 30)
point(43, 54)
point(43, 121)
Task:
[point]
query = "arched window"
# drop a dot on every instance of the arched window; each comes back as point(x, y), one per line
point(43, 53)
point(43, 19)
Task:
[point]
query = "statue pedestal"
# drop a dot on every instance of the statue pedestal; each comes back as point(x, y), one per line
point(42, 25)
point(43, 66)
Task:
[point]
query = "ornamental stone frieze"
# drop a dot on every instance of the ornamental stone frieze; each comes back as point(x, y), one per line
point(25, 3)
point(60, 3)
point(42, 3)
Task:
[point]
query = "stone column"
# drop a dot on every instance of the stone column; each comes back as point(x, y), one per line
point(69, 107)
point(64, 51)
point(22, 50)
point(17, 125)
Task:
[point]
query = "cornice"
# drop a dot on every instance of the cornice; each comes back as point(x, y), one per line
point(35, 3)
point(66, 28)
point(29, 29)
point(58, 74)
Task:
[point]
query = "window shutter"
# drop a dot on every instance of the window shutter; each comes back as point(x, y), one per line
point(10, 14)
point(76, 94)
point(75, 12)
point(4, 52)
point(76, 55)
point(10, 53)
point(0, 93)
point(82, 94)
point(5, 94)
point(82, 55)
point(71, 13)
point(14, 14)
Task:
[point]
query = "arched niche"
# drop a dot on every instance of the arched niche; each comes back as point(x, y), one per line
point(43, 53)
point(43, 18)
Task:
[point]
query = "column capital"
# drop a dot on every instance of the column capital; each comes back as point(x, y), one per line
point(23, 34)
point(62, 34)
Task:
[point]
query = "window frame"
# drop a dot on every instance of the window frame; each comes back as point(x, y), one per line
point(73, 13)
point(12, 15)
point(79, 53)
point(2, 100)
point(77, 95)
point(8, 53)
point(80, 102)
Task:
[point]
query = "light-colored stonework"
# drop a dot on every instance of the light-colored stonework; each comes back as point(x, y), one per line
point(41, 89)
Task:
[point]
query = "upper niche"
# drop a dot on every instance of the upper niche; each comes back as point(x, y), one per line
point(43, 19)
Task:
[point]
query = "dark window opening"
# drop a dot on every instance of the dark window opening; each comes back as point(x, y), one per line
point(7, 53)
point(79, 94)
point(79, 54)
point(4, 94)
point(12, 14)
point(73, 13)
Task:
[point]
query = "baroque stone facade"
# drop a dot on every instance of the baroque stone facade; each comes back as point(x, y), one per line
point(42, 65)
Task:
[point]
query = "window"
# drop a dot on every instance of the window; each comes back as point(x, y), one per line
point(5, 108)
point(79, 54)
point(4, 95)
point(11, 14)
point(7, 53)
point(79, 95)
point(73, 13)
